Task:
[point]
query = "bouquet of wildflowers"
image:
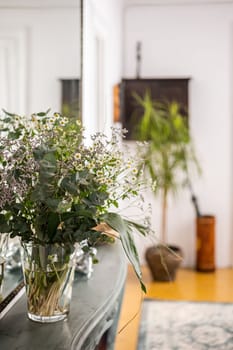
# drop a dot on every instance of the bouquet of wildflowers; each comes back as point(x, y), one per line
point(56, 189)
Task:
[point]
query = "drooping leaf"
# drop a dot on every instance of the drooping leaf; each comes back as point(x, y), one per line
point(120, 225)
point(140, 228)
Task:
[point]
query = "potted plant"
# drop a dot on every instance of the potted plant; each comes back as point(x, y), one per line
point(57, 191)
point(167, 154)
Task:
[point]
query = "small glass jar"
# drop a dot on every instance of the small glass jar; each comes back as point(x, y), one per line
point(85, 257)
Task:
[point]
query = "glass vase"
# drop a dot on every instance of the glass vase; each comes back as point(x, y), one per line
point(3, 250)
point(84, 261)
point(4, 237)
point(12, 255)
point(48, 275)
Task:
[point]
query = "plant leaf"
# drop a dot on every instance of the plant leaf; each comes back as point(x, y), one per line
point(41, 114)
point(8, 113)
point(53, 222)
point(120, 225)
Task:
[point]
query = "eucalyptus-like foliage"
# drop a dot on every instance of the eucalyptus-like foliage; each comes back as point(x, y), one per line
point(169, 150)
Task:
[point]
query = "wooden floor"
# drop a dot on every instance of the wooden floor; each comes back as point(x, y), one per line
point(189, 285)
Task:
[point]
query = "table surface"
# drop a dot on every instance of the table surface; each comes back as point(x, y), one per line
point(94, 309)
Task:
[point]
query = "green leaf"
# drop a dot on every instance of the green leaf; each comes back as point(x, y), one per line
point(50, 157)
point(69, 185)
point(53, 222)
point(8, 113)
point(42, 114)
point(6, 120)
point(123, 228)
point(48, 110)
point(4, 226)
point(140, 228)
point(53, 203)
point(47, 168)
point(14, 135)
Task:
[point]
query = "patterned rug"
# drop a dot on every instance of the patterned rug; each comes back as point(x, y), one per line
point(178, 325)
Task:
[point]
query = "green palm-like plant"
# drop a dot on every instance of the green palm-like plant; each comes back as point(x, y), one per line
point(169, 151)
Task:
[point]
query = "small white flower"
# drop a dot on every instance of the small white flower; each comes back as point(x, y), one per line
point(51, 120)
point(109, 182)
point(79, 167)
point(133, 179)
point(118, 162)
point(63, 121)
point(129, 164)
point(102, 180)
point(77, 156)
point(90, 166)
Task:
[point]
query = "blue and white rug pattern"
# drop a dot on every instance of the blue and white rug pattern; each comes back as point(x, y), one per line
point(181, 325)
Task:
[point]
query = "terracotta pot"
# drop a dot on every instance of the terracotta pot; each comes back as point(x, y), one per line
point(163, 261)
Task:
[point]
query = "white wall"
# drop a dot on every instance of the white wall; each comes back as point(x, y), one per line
point(102, 21)
point(193, 41)
point(49, 50)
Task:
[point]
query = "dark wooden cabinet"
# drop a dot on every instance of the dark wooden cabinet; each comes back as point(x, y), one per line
point(162, 89)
